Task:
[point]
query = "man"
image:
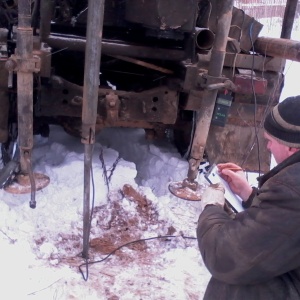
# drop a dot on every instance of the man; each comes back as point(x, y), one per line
point(256, 254)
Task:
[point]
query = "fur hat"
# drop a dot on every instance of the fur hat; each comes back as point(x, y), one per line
point(283, 122)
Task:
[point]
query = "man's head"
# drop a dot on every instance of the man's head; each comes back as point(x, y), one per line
point(282, 128)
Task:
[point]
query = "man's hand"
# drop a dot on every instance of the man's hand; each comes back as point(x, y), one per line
point(213, 195)
point(236, 179)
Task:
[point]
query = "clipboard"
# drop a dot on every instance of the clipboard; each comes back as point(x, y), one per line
point(212, 176)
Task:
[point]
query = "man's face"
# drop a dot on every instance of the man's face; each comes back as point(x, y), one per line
point(279, 151)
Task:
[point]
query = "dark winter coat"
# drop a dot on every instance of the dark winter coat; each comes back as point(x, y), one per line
point(256, 255)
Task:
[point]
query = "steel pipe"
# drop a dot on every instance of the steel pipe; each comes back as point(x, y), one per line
point(115, 47)
point(90, 102)
point(204, 38)
point(278, 47)
point(289, 18)
point(46, 7)
point(24, 82)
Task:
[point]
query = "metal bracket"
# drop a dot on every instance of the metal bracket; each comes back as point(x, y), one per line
point(213, 83)
point(29, 65)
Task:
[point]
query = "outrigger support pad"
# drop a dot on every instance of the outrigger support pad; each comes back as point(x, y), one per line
point(187, 190)
point(22, 184)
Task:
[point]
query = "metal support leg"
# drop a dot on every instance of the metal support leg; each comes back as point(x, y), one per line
point(90, 102)
point(25, 64)
point(24, 83)
point(189, 188)
point(204, 115)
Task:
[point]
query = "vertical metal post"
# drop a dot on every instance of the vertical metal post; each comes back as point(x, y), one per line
point(46, 7)
point(204, 115)
point(4, 104)
point(90, 102)
point(24, 83)
point(288, 19)
point(25, 92)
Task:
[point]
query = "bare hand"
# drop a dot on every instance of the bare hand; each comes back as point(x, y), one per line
point(236, 179)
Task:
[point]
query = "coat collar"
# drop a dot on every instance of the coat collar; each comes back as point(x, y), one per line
point(287, 162)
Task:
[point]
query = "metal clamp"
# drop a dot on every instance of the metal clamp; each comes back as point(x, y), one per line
point(29, 65)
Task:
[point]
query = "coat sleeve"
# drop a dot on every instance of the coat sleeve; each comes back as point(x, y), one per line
point(261, 243)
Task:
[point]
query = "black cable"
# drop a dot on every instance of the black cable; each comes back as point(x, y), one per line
point(86, 264)
point(91, 215)
point(255, 105)
point(188, 152)
point(93, 192)
point(255, 99)
point(113, 167)
point(106, 178)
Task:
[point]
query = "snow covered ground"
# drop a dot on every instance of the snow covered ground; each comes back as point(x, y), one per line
point(41, 247)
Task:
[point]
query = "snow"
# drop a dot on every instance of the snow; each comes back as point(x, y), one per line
point(41, 247)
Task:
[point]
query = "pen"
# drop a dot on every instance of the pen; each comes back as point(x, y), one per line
point(233, 169)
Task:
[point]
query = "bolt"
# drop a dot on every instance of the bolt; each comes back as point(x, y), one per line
point(10, 65)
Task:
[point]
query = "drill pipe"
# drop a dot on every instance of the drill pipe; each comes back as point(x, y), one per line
point(90, 102)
